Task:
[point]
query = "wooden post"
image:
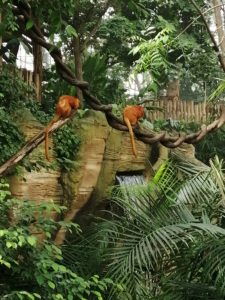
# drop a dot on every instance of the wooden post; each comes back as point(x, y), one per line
point(37, 79)
point(192, 111)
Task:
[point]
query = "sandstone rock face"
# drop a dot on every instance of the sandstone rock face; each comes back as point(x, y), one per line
point(103, 153)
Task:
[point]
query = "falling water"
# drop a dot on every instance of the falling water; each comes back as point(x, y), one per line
point(130, 179)
point(133, 189)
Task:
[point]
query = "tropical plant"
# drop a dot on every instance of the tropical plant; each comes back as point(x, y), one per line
point(105, 82)
point(161, 238)
point(154, 56)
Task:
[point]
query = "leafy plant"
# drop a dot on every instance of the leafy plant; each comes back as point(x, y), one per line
point(11, 138)
point(14, 91)
point(175, 125)
point(160, 240)
point(211, 146)
point(66, 146)
point(154, 55)
point(31, 265)
point(105, 82)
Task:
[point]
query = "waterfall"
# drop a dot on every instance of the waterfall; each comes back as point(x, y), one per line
point(132, 187)
point(130, 179)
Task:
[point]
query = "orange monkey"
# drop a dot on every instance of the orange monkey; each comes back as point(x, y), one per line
point(64, 109)
point(131, 115)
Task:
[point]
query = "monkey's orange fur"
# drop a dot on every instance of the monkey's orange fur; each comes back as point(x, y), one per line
point(64, 109)
point(131, 115)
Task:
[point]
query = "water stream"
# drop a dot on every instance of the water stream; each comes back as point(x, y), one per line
point(132, 189)
point(130, 179)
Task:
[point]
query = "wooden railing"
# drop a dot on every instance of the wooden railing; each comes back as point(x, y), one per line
point(188, 111)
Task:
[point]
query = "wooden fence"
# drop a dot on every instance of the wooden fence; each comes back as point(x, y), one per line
point(27, 76)
point(188, 111)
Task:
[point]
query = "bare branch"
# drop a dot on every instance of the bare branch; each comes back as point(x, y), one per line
point(29, 146)
point(216, 47)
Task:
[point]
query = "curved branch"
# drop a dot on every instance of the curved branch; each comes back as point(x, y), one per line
point(216, 47)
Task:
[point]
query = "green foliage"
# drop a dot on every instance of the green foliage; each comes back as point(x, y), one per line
point(153, 245)
point(15, 94)
point(37, 111)
point(31, 269)
point(11, 138)
point(66, 146)
point(10, 22)
point(104, 82)
point(212, 145)
point(14, 91)
point(154, 55)
point(217, 93)
point(171, 125)
point(53, 88)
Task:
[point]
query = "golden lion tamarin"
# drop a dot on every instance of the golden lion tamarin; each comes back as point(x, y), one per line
point(64, 109)
point(131, 115)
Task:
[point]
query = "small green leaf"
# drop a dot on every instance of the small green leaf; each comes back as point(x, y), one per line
point(2, 232)
point(29, 24)
point(21, 240)
point(31, 240)
point(37, 295)
point(51, 284)
point(40, 279)
point(8, 244)
point(5, 263)
point(71, 31)
point(99, 296)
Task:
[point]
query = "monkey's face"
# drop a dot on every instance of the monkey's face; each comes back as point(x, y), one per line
point(141, 111)
point(75, 103)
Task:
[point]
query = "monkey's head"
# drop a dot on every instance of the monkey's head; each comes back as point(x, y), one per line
point(141, 111)
point(74, 102)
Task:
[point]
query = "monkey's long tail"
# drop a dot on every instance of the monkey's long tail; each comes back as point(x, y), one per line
point(134, 150)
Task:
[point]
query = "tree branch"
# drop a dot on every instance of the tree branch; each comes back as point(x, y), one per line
point(216, 47)
point(96, 26)
point(29, 146)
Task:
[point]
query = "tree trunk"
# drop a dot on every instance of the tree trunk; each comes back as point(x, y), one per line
point(219, 25)
point(78, 65)
point(173, 90)
point(38, 71)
